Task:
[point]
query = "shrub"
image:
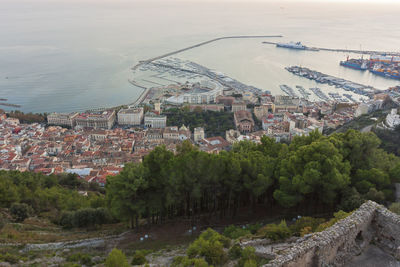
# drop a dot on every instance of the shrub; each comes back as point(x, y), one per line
point(235, 232)
point(250, 263)
point(116, 258)
point(83, 259)
point(305, 222)
point(139, 258)
point(395, 207)
point(9, 258)
point(85, 218)
point(337, 216)
point(253, 228)
point(375, 195)
point(248, 257)
point(20, 211)
point(235, 252)
point(275, 232)
point(209, 245)
point(180, 261)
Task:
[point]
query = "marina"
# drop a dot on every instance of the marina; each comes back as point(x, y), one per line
point(303, 91)
point(288, 90)
point(318, 92)
point(322, 78)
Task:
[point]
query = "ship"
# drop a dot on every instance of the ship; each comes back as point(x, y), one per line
point(357, 64)
point(380, 70)
point(387, 73)
point(292, 45)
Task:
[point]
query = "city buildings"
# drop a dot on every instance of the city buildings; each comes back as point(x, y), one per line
point(62, 119)
point(152, 120)
point(285, 103)
point(244, 121)
point(96, 120)
point(236, 106)
point(130, 116)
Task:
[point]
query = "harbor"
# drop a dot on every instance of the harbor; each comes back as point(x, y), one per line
point(382, 65)
point(322, 78)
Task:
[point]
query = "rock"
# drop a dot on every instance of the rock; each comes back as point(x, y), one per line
point(5, 264)
point(97, 259)
point(56, 260)
point(397, 253)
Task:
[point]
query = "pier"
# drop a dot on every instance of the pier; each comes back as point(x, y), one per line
point(366, 52)
point(142, 62)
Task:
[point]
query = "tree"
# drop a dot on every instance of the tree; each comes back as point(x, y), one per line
point(116, 258)
point(125, 193)
point(20, 211)
point(315, 171)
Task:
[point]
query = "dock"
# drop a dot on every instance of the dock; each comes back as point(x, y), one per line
point(365, 52)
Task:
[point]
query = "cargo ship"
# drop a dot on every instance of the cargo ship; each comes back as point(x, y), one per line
point(357, 64)
point(393, 74)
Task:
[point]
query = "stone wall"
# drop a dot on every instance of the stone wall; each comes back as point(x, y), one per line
point(338, 244)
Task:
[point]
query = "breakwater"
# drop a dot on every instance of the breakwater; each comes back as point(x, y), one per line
point(142, 62)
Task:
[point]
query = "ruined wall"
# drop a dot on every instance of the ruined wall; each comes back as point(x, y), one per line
point(387, 228)
point(348, 237)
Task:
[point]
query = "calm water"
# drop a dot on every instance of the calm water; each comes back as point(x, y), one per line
point(73, 55)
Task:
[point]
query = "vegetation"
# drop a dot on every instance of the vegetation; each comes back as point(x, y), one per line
point(210, 245)
point(395, 207)
point(390, 139)
point(139, 258)
point(53, 197)
point(214, 123)
point(234, 232)
point(275, 232)
point(116, 258)
point(28, 117)
point(312, 174)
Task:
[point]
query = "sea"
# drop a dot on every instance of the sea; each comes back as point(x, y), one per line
point(74, 55)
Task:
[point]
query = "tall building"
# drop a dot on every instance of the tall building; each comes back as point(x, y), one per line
point(198, 134)
point(62, 119)
point(157, 107)
point(96, 120)
point(152, 120)
point(130, 116)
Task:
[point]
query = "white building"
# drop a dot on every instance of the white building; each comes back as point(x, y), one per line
point(62, 119)
point(393, 119)
point(363, 108)
point(201, 96)
point(130, 116)
point(152, 120)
